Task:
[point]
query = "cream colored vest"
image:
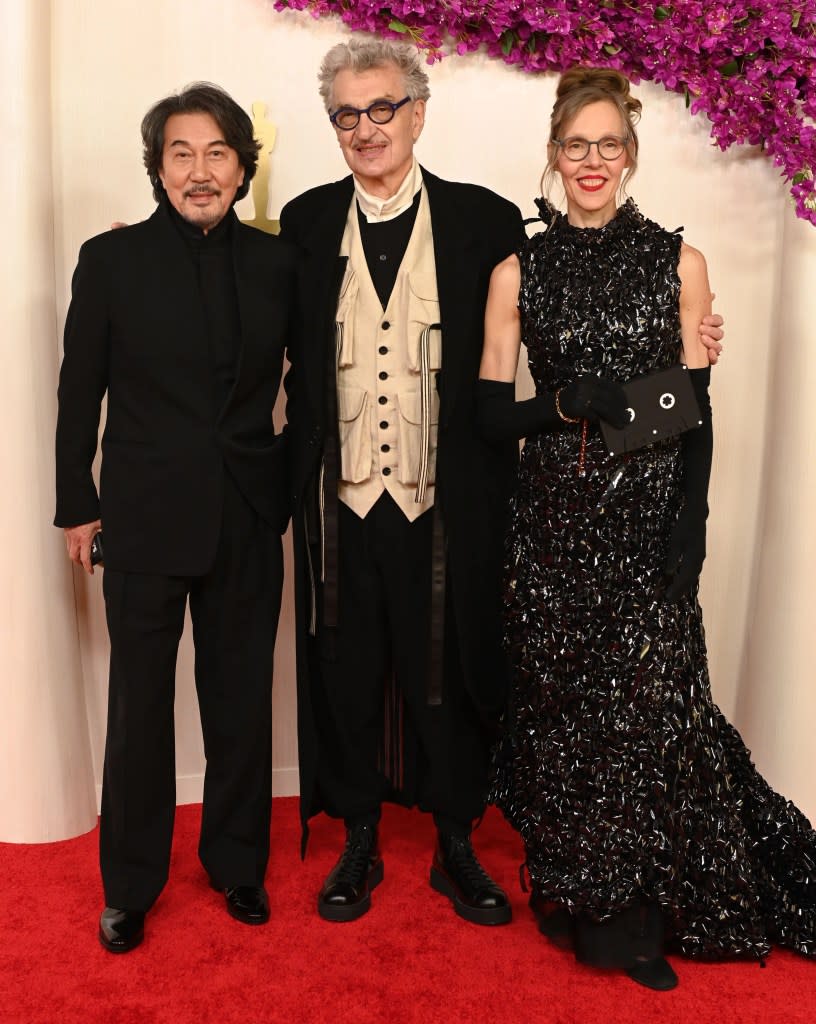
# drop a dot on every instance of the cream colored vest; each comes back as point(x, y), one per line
point(388, 404)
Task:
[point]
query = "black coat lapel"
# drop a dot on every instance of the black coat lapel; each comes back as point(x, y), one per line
point(324, 272)
point(255, 288)
point(455, 253)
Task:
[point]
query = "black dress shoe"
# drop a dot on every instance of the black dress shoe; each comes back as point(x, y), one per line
point(246, 903)
point(120, 931)
point(656, 974)
point(346, 893)
point(457, 874)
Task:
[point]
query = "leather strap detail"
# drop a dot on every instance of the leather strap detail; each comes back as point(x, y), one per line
point(329, 473)
point(426, 398)
point(436, 640)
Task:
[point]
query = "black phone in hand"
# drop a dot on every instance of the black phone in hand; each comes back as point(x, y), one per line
point(97, 554)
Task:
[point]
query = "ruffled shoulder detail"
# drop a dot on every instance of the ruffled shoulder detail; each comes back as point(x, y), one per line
point(546, 211)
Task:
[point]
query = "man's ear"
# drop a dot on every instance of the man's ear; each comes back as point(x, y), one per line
point(418, 119)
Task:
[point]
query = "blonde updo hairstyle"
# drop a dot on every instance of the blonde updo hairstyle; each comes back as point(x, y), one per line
point(579, 87)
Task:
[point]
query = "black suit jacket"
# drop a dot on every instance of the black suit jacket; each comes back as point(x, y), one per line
point(473, 230)
point(135, 329)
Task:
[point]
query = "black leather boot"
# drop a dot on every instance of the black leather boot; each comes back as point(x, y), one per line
point(346, 893)
point(457, 874)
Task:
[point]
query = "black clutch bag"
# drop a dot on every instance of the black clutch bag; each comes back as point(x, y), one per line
point(661, 405)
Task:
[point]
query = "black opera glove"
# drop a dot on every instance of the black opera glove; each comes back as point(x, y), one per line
point(500, 417)
point(687, 543)
point(595, 398)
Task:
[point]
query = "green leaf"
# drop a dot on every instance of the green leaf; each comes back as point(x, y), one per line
point(800, 177)
point(397, 26)
point(729, 69)
point(508, 40)
point(797, 17)
point(662, 13)
point(612, 49)
point(687, 95)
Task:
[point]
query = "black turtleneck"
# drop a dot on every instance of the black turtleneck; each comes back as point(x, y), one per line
point(384, 245)
point(212, 257)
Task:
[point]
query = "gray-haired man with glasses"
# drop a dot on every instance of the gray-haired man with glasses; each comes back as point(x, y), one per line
point(398, 504)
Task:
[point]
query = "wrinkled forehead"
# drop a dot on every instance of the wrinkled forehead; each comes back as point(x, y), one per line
point(360, 88)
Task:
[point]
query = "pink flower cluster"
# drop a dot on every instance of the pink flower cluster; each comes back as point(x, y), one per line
point(749, 65)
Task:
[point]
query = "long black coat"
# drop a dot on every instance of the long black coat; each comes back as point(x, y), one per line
point(136, 329)
point(473, 230)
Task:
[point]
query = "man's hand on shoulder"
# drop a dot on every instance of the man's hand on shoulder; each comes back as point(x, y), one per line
point(712, 334)
point(78, 541)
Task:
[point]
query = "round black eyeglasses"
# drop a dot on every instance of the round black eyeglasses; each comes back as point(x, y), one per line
point(577, 148)
point(380, 112)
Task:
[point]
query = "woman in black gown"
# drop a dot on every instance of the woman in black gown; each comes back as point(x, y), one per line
point(645, 824)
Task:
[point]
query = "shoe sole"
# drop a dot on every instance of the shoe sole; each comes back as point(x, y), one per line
point(123, 947)
point(350, 912)
point(245, 919)
point(476, 915)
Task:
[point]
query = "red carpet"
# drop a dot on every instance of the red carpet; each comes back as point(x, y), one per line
point(409, 959)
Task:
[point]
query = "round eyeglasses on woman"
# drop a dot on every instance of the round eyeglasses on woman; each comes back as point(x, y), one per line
point(577, 148)
point(379, 112)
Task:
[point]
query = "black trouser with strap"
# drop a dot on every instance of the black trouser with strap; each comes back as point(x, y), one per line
point(381, 648)
point(234, 610)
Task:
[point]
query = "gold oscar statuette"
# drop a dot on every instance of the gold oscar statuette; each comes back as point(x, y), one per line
point(265, 133)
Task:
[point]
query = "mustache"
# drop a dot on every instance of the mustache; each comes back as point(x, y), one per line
point(198, 189)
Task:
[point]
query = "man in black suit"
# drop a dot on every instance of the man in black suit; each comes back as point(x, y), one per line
point(399, 505)
point(183, 320)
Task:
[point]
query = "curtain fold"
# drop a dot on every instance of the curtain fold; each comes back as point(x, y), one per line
point(46, 779)
point(776, 698)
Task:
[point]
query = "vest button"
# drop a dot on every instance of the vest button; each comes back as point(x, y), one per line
point(382, 375)
point(383, 350)
point(383, 424)
point(385, 447)
point(386, 471)
point(385, 325)
point(382, 399)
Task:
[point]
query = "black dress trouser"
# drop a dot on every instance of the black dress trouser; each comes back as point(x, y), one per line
point(384, 587)
point(234, 610)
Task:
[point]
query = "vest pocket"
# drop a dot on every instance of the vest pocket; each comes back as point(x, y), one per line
point(410, 436)
point(345, 318)
point(353, 413)
point(423, 310)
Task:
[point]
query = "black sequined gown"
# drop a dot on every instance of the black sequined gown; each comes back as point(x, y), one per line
point(624, 780)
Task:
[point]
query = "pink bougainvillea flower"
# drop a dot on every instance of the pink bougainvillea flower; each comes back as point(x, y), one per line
point(750, 67)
